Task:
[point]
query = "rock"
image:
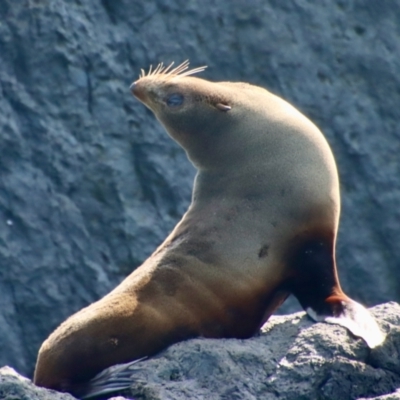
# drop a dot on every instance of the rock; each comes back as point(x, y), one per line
point(392, 396)
point(14, 386)
point(89, 182)
point(292, 358)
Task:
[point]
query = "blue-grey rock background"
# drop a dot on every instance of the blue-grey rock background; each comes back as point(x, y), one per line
point(90, 183)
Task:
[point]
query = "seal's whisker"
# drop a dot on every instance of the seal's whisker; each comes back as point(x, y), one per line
point(159, 69)
point(162, 69)
point(194, 71)
point(180, 68)
point(169, 66)
point(155, 72)
point(167, 72)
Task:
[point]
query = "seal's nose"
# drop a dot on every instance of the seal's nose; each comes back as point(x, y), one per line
point(138, 90)
point(132, 87)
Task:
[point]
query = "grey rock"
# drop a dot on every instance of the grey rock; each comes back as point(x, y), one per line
point(14, 386)
point(291, 359)
point(89, 182)
point(392, 396)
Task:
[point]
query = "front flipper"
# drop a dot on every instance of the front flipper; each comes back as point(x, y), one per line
point(112, 380)
point(345, 312)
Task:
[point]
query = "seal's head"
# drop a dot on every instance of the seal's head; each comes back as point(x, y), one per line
point(191, 109)
point(220, 123)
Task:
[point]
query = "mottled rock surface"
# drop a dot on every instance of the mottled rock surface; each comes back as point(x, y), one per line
point(89, 182)
point(292, 358)
point(16, 387)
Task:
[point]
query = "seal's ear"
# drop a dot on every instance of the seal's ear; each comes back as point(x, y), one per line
point(223, 107)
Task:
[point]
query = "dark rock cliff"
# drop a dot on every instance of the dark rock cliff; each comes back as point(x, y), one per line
point(89, 182)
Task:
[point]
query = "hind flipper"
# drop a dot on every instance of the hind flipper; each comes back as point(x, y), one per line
point(345, 312)
point(315, 283)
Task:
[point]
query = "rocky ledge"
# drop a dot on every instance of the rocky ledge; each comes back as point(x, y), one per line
point(291, 358)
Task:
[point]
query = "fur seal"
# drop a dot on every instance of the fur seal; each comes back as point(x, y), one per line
point(262, 224)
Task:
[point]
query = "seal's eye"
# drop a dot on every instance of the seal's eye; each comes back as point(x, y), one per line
point(174, 100)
